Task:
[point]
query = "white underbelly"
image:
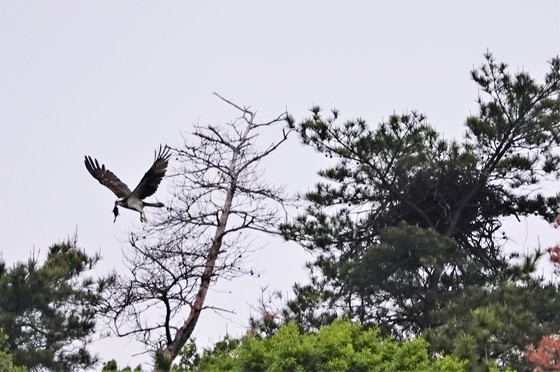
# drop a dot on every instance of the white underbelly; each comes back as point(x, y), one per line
point(135, 204)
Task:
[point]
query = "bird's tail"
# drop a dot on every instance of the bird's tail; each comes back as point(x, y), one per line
point(157, 205)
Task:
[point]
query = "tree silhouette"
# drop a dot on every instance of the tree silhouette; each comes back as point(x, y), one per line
point(218, 196)
point(406, 221)
point(48, 310)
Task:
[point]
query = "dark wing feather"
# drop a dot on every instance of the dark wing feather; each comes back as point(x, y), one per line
point(107, 178)
point(151, 180)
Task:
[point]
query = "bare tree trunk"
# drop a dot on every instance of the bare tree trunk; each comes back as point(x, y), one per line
point(218, 194)
point(184, 333)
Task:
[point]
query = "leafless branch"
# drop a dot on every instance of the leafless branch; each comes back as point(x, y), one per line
point(218, 194)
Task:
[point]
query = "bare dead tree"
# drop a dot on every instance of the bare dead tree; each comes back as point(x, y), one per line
point(218, 194)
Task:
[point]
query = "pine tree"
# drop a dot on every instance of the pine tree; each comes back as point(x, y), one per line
point(48, 311)
point(406, 221)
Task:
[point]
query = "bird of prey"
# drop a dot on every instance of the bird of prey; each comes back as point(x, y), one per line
point(147, 186)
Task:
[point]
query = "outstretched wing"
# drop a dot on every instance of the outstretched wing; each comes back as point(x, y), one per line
point(106, 178)
point(151, 180)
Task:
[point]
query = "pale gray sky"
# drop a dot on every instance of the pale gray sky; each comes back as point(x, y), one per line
point(116, 79)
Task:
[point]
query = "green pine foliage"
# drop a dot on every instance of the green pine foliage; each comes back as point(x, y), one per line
point(48, 310)
point(405, 226)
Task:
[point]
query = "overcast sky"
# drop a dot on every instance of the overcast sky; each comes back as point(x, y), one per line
point(114, 79)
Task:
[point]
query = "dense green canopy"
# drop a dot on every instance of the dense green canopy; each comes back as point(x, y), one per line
point(48, 310)
point(407, 224)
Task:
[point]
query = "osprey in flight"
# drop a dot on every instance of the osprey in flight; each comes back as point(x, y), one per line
point(147, 186)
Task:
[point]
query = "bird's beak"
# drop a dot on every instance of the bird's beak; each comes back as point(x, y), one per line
point(116, 213)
